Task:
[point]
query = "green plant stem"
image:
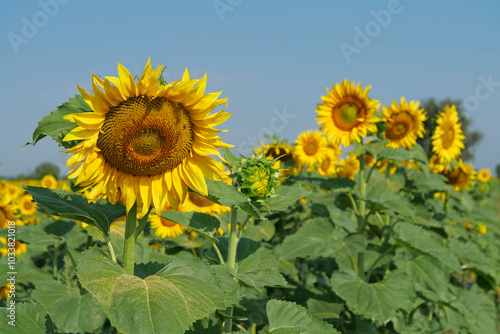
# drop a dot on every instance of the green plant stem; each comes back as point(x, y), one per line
point(217, 251)
point(111, 249)
point(372, 267)
point(231, 261)
point(353, 202)
point(142, 224)
point(362, 214)
point(69, 254)
point(129, 243)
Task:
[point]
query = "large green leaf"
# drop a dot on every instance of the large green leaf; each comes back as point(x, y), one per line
point(427, 242)
point(256, 267)
point(289, 318)
point(55, 126)
point(29, 319)
point(325, 309)
point(181, 293)
point(473, 257)
point(378, 301)
point(285, 196)
point(74, 206)
point(227, 195)
point(202, 223)
point(425, 272)
point(319, 238)
point(69, 310)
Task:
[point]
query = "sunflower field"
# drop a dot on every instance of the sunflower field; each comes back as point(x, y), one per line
point(160, 227)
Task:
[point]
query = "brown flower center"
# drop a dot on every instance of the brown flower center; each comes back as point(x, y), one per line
point(146, 136)
point(345, 115)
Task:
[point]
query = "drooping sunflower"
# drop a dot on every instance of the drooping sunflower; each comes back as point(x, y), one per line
point(195, 202)
point(404, 123)
point(328, 165)
point(310, 148)
point(448, 138)
point(145, 142)
point(166, 228)
point(280, 150)
point(461, 176)
point(349, 167)
point(347, 114)
point(484, 175)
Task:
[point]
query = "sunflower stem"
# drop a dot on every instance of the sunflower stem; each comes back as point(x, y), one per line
point(129, 243)
point(362, 214)
point(231, 261)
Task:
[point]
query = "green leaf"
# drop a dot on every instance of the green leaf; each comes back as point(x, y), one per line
point(426, 273)
point(473, 257)
point(324, 309)
point(69, 310)
point(227, 195)
point(209, 325)
point(230, 159)
point(378, 301)
point(319, 238)
point(181, 293)
point(201, 223)
point(55, 126)
point(285, 196)
point(29, 319)
point(257, 267)
point(290, 318)
point(73, 206)
point(427, 242)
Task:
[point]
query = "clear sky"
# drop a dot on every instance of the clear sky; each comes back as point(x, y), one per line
point(272, 59)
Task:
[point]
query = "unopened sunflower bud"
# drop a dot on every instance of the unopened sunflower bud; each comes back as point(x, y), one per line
point(257, 178)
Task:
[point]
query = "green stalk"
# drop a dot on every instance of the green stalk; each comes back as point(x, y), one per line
point(129, 243)
point(231, 261)
point(362, 213)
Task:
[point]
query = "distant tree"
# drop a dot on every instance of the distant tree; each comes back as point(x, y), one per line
point(433, 107)
point(44, 169)
point(498, 171)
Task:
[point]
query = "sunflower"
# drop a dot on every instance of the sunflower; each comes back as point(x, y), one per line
point(7, 211)
point(404, 123)
point(195, 202)
point(484, 175)
point(448, 138)
point(49, 181)
point(166, 228)
point(461, 176)
point(310, 148)
point(26, 205)
point(5, 290)
point(349, 167)
point(328, 165)
point(347, 114)
point(145, 142)
point(279, 150)
point(20, 248)
point(436, 165)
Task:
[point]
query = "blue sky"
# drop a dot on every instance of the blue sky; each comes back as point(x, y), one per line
point(273, 60)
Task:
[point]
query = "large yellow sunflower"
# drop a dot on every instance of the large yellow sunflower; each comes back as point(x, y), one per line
point(144, 142)
point(404, 123)
point(448, 138)
point(310, 148)
point(347, 114)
